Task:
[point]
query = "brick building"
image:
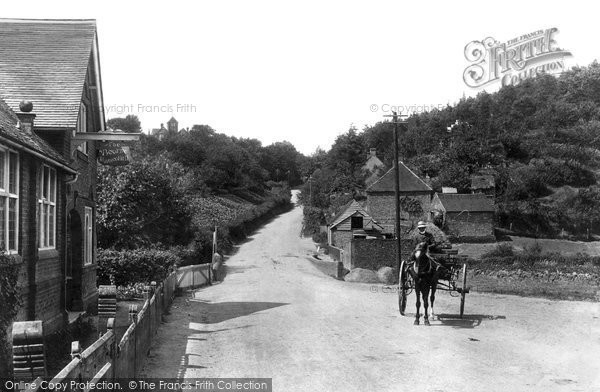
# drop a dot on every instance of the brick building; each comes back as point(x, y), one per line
point(50, 225)
point(466, 216)
point(413, 191)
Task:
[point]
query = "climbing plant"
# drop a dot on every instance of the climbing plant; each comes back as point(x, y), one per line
point(9, 306)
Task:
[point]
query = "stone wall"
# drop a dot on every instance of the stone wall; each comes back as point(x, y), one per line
point(340, 237)
point(374, 254)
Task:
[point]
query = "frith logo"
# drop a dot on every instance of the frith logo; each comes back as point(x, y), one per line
point(513, 61)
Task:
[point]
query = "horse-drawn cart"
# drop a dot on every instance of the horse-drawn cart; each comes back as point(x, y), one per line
point(451, 270)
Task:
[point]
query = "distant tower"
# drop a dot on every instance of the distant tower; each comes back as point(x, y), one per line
point(173, 125)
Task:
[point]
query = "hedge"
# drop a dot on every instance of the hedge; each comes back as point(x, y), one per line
point(128, 267)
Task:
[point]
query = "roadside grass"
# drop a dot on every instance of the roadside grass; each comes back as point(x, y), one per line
point(531, 272)
point(535, 287)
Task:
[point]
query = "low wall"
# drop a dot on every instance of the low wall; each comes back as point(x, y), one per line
point(334, 252)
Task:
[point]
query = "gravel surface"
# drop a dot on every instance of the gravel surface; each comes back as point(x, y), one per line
point(277, 315)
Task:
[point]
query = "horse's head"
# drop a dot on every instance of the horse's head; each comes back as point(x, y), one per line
point(421, 259)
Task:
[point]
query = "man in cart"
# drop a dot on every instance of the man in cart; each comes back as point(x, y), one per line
point(433, 245)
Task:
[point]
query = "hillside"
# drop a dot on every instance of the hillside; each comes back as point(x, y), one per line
point(540, 140)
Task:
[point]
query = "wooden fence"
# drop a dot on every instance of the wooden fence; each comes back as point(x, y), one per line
point(108, 359)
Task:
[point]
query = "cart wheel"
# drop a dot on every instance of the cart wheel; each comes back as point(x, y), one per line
point(402, 289)
point(464, 287)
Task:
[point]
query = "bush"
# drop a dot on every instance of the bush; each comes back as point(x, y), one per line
point(320, 238)
point(128, 267)
point(502, 250)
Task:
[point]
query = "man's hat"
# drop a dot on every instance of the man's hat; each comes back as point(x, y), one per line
point(421, 224)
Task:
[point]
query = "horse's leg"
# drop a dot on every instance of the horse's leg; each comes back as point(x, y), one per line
point(426, 302)
point(433, 288)
point(418, 293)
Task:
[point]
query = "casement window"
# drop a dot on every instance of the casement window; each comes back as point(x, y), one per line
point(9, 200)
point(47, 208)
point(88, 237)
point(82, 127)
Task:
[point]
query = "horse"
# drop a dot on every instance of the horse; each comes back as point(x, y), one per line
point(425, 275)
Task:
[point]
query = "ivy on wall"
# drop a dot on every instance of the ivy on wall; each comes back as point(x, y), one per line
point(9, 306)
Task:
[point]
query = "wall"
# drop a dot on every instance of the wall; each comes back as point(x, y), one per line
point(340, 237)
point(374, 254)
point(85, 186)
point(41, 276)
point(382, 207)
point(334, 252)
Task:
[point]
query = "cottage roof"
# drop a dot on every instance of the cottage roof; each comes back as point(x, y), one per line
point(409, 181)
point(349, 209)
point(46, 62)
point(485, 181)
point(372, 163)
point(30, 141)
point(458, 202)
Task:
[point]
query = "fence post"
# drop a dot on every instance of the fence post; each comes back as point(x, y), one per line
point(75, 349)
point(133, 314)
point(107, 306)
point(133, 319)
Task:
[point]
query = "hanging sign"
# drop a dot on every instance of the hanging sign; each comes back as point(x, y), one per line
point(112, 153)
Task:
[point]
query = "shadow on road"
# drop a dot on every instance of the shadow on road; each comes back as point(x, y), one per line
point(467, 321)
point(205, 312)
point(230, 270)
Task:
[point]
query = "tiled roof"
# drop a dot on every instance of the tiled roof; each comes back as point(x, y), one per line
point(409, 181)
point(457, 202)
point(351, 208)
point(45, 62)
point(9, 130)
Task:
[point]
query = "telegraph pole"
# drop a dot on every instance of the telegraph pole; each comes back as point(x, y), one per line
point(397, 192)
point(396, 121)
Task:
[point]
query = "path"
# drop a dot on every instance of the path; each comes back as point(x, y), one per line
point(275, 315)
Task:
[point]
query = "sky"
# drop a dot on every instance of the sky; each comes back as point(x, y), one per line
point(301, 71)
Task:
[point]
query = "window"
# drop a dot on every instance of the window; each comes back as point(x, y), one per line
point(88, 237)
point(356, 222)
point(9, 200)
point(47, 208)
point(82, 127)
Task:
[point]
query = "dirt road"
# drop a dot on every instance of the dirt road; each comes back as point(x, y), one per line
point(275, 315)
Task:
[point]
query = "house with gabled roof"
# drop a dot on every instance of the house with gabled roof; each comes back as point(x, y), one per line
point(466, 217)
point(352, 218)
point(415, 196)
point(52, 65)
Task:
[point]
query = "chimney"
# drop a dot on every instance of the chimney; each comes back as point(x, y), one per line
point(25, 116)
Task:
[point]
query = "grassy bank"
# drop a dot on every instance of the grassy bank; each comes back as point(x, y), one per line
point(532, 272)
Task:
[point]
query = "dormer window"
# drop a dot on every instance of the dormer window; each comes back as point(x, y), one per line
point(82, 127)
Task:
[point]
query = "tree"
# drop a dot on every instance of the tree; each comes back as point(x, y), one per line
point(130, 123)
point(140, 205)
